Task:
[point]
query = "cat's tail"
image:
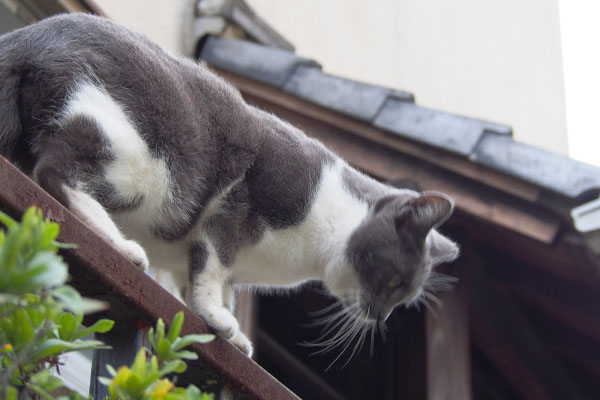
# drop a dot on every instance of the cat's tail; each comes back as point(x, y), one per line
point(10, 124)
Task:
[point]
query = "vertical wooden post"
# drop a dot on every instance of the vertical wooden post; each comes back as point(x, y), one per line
point(125, 339)
point(448, 342)
point(246, 313)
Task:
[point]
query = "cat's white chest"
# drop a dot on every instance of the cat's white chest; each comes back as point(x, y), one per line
point(287, 257)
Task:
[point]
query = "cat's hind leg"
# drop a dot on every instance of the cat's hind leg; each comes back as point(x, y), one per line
point(95, 216)
point(210, 290)
point(64, 158)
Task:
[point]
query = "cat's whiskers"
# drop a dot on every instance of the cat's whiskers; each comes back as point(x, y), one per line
point(326, 320)
point(364, 329)
point(433, 298)
point(326, 309)
point(348, 326)
point(428, 306)
point(435, 282)
point(348, 340)
point(343, 322)
point(439, 282)
point(346, 320)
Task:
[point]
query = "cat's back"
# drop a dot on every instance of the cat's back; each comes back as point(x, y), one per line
point(172, 101)
point(150, 106)
point(68, 37)
point(55, 55)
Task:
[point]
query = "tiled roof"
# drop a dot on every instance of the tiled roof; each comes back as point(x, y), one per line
point(394, 111)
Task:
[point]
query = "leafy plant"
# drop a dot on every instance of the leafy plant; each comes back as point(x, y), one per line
point(41, 316)
point(145, 379)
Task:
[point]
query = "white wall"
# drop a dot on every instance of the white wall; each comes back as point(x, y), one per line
point(580, 34)
point(168, 22)
point(495, 59)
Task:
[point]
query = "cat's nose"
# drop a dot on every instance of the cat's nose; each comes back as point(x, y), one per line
point(377, 312)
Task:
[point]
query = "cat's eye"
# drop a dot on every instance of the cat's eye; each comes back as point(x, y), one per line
point(395, 282)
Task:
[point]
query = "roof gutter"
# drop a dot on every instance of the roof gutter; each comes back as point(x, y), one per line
point(586, 217)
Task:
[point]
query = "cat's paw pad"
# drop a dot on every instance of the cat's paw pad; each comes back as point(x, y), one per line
point(243, 343)
point(134, 253)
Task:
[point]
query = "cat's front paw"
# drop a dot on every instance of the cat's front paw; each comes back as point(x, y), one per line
point(222, 322)
point(134, 253)
point(242, 342)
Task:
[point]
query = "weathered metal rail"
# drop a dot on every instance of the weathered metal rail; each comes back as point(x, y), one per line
point(98, 271)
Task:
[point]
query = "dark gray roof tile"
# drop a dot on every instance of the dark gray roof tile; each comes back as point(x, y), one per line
point(437, 128)
point(541, 167)
point(356, 99)
point(266, 64)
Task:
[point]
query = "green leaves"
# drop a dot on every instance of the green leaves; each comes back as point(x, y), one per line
point(43, 384)
point(42, 330)
point(169, 346)
point(142, 381)
point(71, 300)
point(53, 347)
point(101, 326)
point(40, 316)
point(28, 259)
point(145, 378)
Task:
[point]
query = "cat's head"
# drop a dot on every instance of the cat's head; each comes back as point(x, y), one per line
point(392, 254)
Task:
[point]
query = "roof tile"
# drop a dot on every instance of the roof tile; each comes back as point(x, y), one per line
point(547, 169)
point(451, 132)
point(266, 64)
point(356, 99)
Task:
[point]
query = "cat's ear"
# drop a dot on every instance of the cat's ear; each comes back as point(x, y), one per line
point(425, 212)
point(442, 249)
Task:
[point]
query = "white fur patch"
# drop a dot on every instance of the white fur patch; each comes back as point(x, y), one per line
point(134, 172)
point(314, 249)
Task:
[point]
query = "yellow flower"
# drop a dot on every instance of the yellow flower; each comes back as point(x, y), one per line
point(120, 379)
point(161, 389)
point(7, 347)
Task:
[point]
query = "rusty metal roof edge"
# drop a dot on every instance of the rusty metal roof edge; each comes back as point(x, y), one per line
point(100, 271)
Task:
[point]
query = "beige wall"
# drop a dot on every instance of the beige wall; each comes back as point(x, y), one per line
point(495, 59)
point(168, 22)
point(498, 60)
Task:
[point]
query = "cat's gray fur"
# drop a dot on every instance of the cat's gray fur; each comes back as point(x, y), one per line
point(235, 173)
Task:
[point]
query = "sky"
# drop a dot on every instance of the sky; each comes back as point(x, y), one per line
point(580, 33)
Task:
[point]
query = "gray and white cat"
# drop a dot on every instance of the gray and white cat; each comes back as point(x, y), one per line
point(167, 162)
